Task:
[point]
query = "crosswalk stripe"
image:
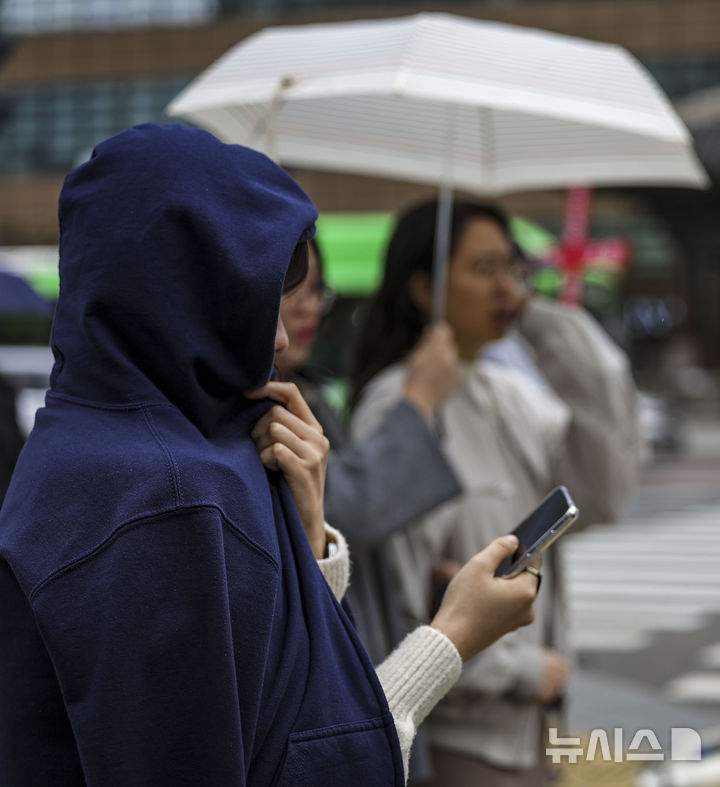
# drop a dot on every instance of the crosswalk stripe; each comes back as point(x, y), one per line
point(632, 590)
point(709, 657)
point(643, 575)
point(647, 574)
point(610, 560)
point(695, 687)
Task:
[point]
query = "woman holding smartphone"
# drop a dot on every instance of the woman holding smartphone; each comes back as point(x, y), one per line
point(377, 485)
point(169, 598)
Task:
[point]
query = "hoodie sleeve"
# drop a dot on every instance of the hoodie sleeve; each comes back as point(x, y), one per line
point(147, 649)
point(602, 450)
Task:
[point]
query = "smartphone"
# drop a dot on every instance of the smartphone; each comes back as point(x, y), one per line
point(539, 529)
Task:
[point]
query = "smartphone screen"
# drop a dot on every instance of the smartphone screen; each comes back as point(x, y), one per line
point(540, 528)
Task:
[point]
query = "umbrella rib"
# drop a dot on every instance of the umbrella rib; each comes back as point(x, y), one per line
point(488, 151)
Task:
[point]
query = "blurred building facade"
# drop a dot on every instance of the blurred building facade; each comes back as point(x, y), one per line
point(76, 71)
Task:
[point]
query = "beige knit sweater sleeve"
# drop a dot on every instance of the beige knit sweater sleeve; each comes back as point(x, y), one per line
point(417, 674)
point(336, 569)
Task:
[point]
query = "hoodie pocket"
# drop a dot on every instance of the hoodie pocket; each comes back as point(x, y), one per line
point(358, 754)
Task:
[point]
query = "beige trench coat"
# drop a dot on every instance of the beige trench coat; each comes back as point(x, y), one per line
point(510, 441)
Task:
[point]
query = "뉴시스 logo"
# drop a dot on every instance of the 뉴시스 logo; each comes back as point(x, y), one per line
point(685, 746)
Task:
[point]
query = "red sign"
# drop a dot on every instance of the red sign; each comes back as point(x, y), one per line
point(576, 253)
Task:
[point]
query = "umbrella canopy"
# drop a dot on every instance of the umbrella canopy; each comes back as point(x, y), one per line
point(483, 106)
point(19, 298)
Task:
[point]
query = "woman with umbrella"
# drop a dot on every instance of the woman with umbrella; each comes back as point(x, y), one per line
point(510, 441)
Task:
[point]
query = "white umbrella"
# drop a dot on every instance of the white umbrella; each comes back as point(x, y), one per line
point(482, 106)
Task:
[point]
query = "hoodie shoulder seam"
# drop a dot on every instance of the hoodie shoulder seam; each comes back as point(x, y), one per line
point(76, 400)
point(140, 521)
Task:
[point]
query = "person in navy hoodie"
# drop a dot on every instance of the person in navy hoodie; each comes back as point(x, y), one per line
point(168, 605)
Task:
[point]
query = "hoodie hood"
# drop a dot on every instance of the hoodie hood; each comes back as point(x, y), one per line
point(173, 252)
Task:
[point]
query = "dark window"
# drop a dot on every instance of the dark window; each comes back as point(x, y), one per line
point(54, 129)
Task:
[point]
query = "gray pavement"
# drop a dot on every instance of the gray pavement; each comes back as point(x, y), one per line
point(645, 606)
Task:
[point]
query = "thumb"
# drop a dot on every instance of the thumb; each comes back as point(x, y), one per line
point(500, 549)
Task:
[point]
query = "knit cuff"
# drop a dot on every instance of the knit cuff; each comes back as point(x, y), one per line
point(418, 673)
point(336, 569)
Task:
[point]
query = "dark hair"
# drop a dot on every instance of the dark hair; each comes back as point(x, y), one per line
point(393, 323)
point(313, 244)
point(297, 269)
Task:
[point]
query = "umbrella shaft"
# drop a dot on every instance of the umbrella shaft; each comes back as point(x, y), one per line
point(442, 251)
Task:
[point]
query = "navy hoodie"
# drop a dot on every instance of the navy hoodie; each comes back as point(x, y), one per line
point(162, 618)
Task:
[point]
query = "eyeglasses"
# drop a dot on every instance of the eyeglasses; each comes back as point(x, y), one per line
point(492, 266)
point(319, 293)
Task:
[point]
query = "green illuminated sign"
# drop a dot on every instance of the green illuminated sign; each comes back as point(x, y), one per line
point(353, 247)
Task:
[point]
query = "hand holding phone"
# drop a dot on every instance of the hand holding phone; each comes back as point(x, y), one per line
point(539, 529)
